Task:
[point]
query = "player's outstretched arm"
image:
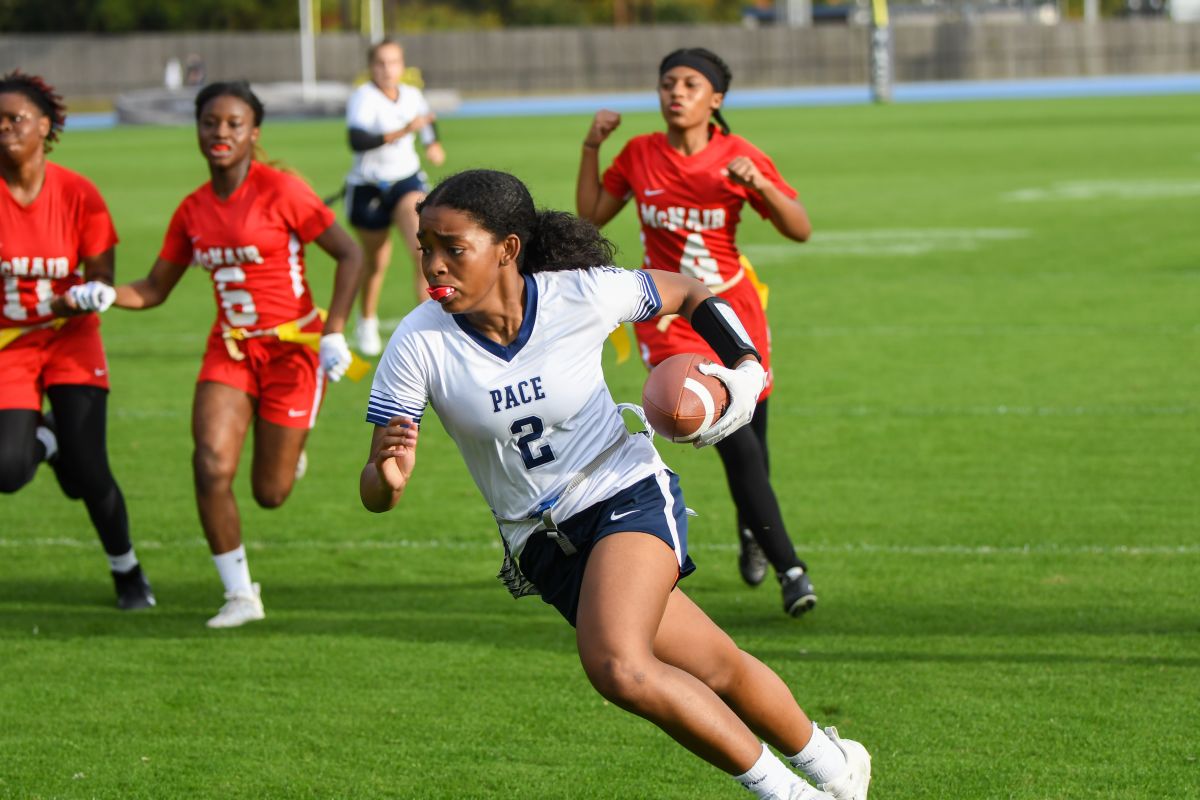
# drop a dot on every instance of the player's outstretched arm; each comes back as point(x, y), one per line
point(787, 215)
point(96, 294)
point(393, 456)
point(592, 202)
point(153, 289)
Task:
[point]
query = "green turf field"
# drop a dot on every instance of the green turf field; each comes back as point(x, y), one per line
point(985, 437)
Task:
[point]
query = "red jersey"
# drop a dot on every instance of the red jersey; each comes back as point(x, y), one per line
point(252, 245)
point(688, 210)
point(42, 244)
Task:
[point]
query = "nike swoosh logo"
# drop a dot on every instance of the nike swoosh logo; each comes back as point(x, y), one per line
point(99, 372)
point(294, 413)
point(615, 516)
point(653, 192)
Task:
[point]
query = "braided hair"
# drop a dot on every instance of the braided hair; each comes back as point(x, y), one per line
point(42, 95)
point(708, 64)
point(500, 203)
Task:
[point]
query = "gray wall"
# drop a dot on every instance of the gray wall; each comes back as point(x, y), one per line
point(597, 59)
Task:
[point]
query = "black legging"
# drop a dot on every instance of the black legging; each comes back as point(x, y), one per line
point(80, 419)
point(747, 469)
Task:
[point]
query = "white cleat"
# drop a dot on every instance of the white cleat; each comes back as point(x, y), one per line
point(803, 791)
point(239, 608)
point(851, 784)
point(366, 334)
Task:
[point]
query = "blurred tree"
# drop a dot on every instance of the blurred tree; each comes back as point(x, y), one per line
point(123, 16)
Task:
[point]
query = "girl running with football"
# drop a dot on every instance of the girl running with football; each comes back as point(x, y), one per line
point(247, 227)
point(57, 244)
point(689, 185)
point(509, 357)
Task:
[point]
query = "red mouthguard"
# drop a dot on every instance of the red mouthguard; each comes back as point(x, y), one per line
point(440, 292)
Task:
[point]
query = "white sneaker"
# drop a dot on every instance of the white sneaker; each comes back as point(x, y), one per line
point(851, 784)
point(239, 608)
point(801, 790)
point(302, 464)
point(366, 333)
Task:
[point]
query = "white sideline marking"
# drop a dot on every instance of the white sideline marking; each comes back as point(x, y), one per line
point(944, 331)
point(1093, 190)
point(847, 548)
point(887, 242)
point(991, 411)
point(1000, 410)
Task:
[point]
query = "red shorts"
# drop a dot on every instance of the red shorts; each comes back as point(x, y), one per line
point(283, 377)
point(72, 354)
point(663, 337)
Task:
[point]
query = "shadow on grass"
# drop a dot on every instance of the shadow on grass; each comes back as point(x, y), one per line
point(480, 612)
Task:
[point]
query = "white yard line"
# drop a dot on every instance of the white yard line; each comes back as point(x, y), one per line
point(849, 548)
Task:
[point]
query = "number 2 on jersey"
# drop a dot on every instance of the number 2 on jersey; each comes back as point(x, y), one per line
point(529, 431)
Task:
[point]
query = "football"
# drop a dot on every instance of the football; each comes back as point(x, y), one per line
point(680, 401)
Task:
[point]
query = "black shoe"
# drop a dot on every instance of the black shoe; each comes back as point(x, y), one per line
point(798, 594)
point(133, 590)
point(752, 562)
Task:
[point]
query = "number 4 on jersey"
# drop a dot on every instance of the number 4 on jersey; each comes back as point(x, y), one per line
point(697, 262)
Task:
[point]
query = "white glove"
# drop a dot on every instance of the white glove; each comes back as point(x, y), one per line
point(92, 296)
point(335, 355)
point(745, 384)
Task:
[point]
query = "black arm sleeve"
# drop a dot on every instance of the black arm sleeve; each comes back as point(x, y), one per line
point(718, 325)
point(361, 141)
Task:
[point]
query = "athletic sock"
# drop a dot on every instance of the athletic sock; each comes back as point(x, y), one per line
point(821, 760)
point(124, 562)
point(234, 571)
point(768, 779)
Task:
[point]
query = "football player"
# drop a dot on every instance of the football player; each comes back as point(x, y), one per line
point(689, 185)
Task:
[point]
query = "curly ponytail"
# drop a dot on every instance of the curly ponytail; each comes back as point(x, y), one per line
point(501, 204)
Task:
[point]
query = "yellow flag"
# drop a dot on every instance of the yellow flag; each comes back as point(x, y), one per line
point(9, 335)
point(290, 332)
point(760, 287)
point(621, 342)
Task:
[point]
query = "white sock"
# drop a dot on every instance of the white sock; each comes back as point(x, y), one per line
point(768, 779)
point(123, 563)
point(234, 571)
point(48, 440)
point(821, 760)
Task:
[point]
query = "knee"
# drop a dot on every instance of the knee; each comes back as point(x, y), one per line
point(625, 681)
point(15, 473)
point(270, 496)
point(724, 673)
point(212, 471)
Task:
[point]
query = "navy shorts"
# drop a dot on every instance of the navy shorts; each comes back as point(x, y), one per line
point(653, 505)
point(370, 206)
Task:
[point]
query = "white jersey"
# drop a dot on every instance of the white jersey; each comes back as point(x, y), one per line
point(370, 110)
point(529, 416)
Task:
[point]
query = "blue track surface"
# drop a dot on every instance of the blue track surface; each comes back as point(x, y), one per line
point(930, 92)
